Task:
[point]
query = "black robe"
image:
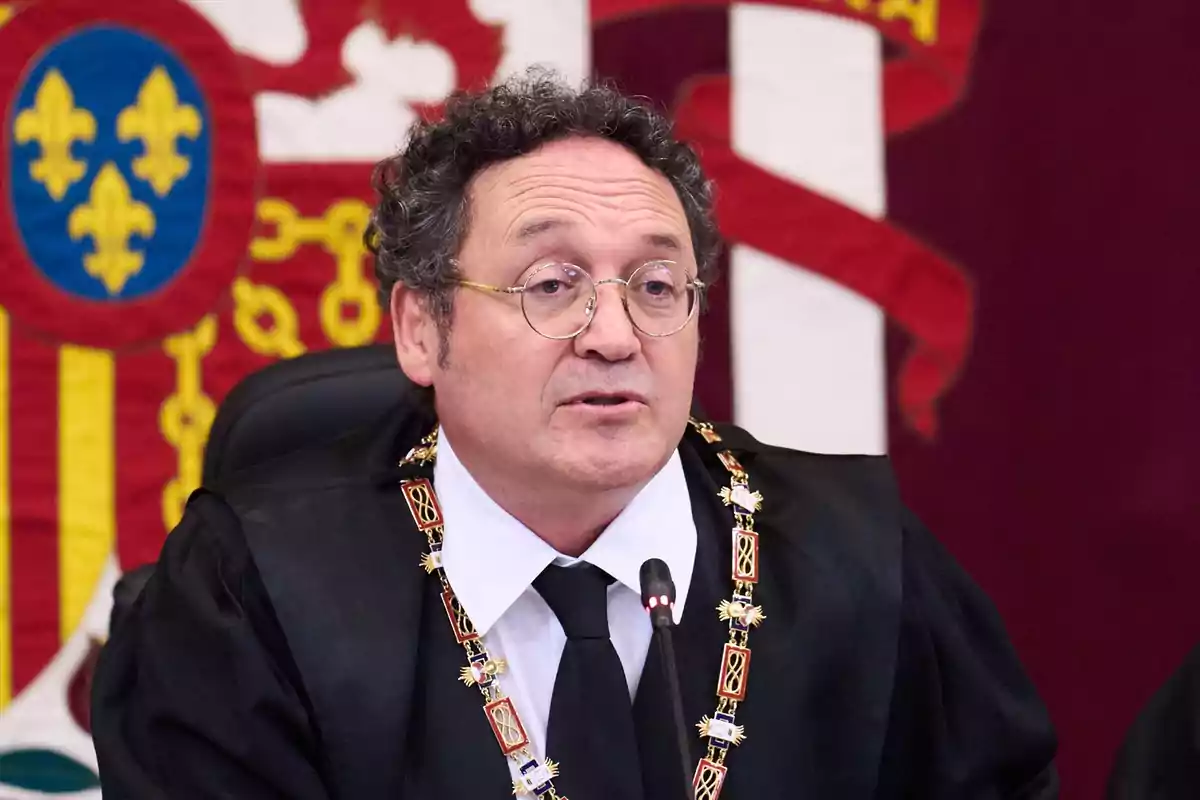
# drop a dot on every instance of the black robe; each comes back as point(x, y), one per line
point(290, 645)
point(1160, 757)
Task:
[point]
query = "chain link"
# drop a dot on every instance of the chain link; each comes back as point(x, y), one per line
point(265, 319)
point(186, 415)
point(348, 311)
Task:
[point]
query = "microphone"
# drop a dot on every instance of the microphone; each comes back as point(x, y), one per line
point(658, 598)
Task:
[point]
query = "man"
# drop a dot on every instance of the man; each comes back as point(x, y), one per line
point(545, 253)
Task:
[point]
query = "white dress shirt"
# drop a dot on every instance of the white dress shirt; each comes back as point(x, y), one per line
point(491, 560)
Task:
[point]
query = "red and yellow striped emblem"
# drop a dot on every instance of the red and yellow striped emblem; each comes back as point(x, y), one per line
point(99, 449)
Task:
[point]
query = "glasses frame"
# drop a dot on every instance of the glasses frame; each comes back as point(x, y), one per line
point(692, 283)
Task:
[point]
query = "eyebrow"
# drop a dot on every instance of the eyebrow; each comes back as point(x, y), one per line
point(665, 241)
point(532, 230)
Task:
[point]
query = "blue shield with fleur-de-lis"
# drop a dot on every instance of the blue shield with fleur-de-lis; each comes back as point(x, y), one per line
point(131, 166)
point(131, 170)
point(110, 164)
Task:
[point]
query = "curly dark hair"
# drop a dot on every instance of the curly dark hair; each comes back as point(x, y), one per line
point(420, 221)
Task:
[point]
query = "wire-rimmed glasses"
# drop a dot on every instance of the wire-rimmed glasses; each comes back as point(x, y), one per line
point(559, 299)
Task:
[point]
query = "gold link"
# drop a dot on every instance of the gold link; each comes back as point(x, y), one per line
point(348, 309)
point(282, 215)
point(265, 319)
point(186, 415)
point(350, 312)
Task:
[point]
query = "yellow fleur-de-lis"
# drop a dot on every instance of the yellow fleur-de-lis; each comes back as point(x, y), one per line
point(111, 217)
point(55, 124)
point(159, 120)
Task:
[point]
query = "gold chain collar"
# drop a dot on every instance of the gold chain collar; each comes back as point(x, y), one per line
point(721, 730)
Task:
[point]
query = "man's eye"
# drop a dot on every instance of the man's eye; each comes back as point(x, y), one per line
point(551, 286)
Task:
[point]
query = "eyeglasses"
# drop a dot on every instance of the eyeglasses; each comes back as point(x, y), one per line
point(559, 300)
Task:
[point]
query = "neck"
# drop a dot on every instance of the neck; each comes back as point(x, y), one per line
point(568, 524)
point(568, 518)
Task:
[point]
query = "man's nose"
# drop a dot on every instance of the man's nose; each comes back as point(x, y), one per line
point(611, 334)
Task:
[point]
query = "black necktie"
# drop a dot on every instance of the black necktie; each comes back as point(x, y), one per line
point(591, 734)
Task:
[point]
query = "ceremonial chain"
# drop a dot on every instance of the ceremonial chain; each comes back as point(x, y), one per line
point(721, 730)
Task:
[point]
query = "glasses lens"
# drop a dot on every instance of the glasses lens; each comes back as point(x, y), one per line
point(661, 297)
point(557, 299)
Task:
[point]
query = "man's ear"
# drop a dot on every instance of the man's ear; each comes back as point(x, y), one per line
point(415, 334)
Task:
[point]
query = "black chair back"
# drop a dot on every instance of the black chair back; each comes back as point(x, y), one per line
point(300, 402)
point(303, 401)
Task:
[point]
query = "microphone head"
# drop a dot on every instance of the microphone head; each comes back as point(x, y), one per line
point(658, 591)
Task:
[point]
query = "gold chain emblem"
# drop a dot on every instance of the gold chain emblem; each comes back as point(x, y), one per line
point(745, 555)
point(482, 673)
point(510, 733)
point(535, 778)
point(431, 562)
point(423, 504)
point(734, 671)
point(464, 629)
point(741, 612)
point(705, 429)
point(710, 777)
point(721, 730)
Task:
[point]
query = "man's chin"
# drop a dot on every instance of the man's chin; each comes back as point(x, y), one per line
point(614, 464)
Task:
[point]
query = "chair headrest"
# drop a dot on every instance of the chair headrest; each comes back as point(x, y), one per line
point(300, 402)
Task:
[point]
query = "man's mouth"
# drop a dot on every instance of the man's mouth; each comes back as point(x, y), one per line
point(604, 399)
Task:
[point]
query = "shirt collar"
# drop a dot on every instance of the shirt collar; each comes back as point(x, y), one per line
point(491, 558)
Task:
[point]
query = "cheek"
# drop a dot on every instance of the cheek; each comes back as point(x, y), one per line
point(479, 334)
point(498, 361)
point(679, 377)
point(679, 360)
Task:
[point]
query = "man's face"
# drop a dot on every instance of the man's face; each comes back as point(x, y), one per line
point(511, 399)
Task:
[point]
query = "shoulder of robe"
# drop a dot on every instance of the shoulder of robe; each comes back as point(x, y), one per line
point(848, 483)
point(329, 487)
point(366, 453)
point(839, 513)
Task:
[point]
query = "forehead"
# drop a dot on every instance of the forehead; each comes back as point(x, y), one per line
point(577, 182)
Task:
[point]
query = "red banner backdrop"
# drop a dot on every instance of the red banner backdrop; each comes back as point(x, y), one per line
point(1031, 265)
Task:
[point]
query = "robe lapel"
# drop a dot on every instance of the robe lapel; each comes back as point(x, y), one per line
point(453, 752)
point(351, 604)
point(698, 641)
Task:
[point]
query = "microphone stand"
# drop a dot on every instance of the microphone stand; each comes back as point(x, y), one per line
point(658, 598)
point(666, 648)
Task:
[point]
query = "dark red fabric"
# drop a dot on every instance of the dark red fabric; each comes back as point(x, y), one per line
point(1065, 475)
point(918, 289)
point(1063, 185)
point(33, 454)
